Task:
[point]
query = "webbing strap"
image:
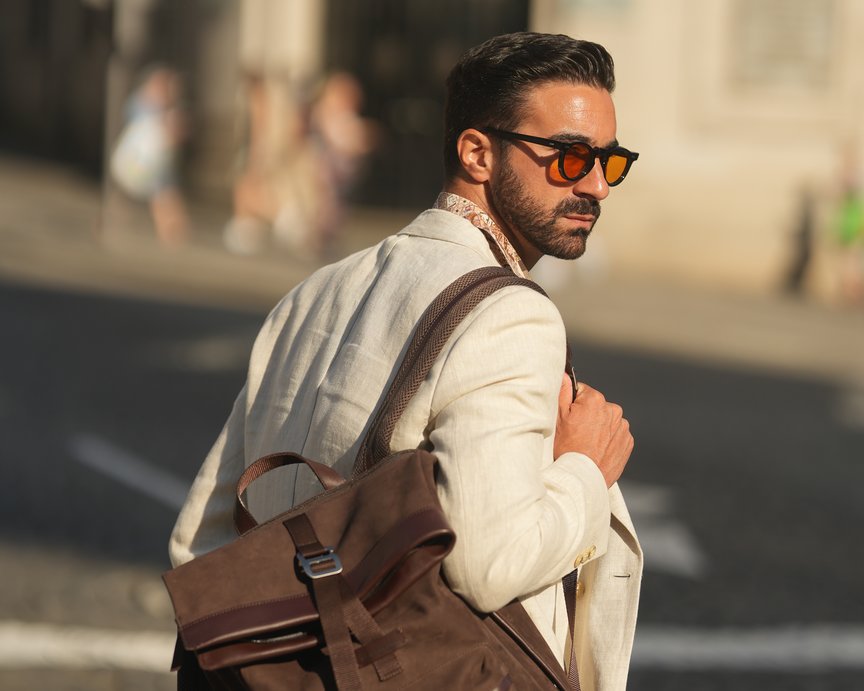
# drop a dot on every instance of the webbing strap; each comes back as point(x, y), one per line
point(569, 582)
point(328, 601)
point(341, 613)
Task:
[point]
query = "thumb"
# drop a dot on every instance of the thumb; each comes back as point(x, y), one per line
point(565, 394)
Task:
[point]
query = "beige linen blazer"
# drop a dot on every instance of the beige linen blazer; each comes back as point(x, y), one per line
point(487, 409)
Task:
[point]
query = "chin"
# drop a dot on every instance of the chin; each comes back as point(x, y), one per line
point(571, 247)
point(570, 251)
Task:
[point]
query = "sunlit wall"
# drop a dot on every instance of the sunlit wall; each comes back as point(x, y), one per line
point(736, 107)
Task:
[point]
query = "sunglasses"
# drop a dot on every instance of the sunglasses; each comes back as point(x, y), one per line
point(576, 159)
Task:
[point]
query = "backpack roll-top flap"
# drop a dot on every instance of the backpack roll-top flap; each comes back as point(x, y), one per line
point(249, 599)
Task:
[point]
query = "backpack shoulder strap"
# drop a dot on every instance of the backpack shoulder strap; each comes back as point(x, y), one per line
point(433, 330)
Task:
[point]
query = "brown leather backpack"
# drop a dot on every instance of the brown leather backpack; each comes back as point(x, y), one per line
point(345, 590)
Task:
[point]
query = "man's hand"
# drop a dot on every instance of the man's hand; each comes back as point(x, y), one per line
point(592, 426)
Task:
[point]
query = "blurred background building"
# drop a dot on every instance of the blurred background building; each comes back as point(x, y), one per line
point(741, 109)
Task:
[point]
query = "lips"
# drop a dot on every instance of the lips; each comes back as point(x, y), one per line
point(587, 210)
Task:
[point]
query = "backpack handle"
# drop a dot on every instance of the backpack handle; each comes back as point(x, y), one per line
point(243, 519)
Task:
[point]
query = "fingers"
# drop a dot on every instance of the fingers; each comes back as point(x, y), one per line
point(591, 425)
point(618, 453)
point(588, 395)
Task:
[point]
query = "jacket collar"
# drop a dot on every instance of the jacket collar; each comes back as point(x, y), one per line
point(437, 224)
point(440, 224)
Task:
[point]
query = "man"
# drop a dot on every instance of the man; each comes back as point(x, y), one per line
point(527, 472)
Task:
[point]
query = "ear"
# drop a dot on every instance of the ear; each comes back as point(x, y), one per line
point(475, 153)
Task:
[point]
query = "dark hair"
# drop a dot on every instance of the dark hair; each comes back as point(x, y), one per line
point(490, 83)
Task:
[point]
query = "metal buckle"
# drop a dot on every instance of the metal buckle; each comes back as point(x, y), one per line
point(319, 561)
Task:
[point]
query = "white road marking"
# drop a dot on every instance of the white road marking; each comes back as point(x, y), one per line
point(787, 649)
point(668, 545)
point(46, 646)
point(129, 470)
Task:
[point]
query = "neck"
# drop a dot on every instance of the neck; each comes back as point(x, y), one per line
point(477, 193)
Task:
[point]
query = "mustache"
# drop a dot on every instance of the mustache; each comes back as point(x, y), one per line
point(579, 206)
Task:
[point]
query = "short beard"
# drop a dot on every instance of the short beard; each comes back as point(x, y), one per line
point(525, 216)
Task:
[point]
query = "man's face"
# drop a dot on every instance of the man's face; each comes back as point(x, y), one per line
point(544, 214)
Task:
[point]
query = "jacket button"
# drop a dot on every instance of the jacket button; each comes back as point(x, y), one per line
point(580, 589)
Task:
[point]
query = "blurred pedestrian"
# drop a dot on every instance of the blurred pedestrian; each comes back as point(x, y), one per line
point(802, 243)
point(273, 182)
point(343, 138)
point(302, 159)
point(145, 159)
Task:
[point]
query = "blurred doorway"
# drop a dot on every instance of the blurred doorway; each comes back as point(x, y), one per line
point(53, 56)
point(401, 53)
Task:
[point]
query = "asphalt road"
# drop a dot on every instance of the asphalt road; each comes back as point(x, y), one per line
point(745, 488)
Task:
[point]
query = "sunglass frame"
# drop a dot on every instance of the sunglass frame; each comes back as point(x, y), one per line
point(593, 153)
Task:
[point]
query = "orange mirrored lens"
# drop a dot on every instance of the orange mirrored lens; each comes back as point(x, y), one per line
point(615, 168)
point(555, 172)
point(576, 159)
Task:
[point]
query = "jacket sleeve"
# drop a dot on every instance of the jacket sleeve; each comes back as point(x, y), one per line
point(521, 520)
point(206, 520)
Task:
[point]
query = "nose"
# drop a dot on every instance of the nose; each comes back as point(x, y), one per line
point(594, 184)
